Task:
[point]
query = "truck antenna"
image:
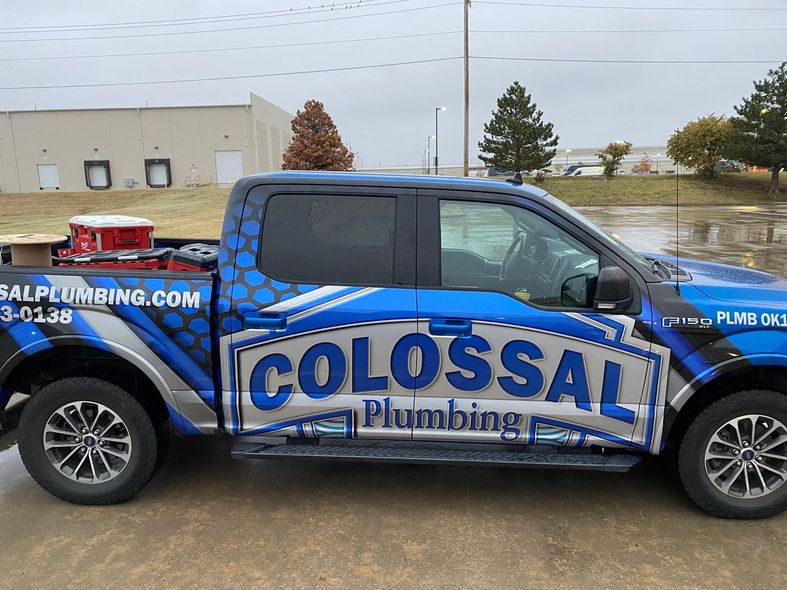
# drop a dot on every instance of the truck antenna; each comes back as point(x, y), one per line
point(516, 179)
point(677, 229)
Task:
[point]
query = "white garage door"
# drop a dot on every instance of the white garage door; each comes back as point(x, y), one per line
point(229, 167)
point(48, 176)
point(97, 175)
point(158, 174)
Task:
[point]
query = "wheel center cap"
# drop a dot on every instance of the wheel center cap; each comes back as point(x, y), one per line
point(89, 441)
point(747, 455)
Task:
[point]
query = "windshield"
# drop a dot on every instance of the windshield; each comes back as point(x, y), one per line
point(603, 235)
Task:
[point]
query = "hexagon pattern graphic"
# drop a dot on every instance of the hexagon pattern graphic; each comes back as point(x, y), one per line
point(250, 289)
point(188, 328)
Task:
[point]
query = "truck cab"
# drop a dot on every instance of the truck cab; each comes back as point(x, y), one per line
point(407, 319)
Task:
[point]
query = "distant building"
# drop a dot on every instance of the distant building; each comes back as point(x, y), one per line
point(127, 148)
point(660, 163)
point(657, 154)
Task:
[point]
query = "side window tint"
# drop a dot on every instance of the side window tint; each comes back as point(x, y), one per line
point(476, 227)
point(494, 247)
point(344, 240)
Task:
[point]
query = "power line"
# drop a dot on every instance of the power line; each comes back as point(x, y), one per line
point(613, 7)
point(382, 38)
point(631, 61)
point(249, 27)
point(609, 31)
point(241, 77)
point(382, 65)
point(224, 49)
point(198, 20)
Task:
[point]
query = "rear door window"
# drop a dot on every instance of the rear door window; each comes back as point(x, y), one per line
point(329, 239)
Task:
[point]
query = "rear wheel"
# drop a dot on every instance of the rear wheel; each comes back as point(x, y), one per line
point(88, 441)
point(733, 458)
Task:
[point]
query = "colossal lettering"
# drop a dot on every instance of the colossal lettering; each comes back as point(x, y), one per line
point(260, 396)
point(534, 378)
point(307, 370)
point(482, 372)
point(610, 390)
point(400, 361)
point(571, 379)
point(362, 381)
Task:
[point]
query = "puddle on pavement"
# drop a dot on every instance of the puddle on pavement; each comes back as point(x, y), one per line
point(751, 236)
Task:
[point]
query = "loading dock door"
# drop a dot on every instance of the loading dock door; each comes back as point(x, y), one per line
point(158, 172)
point(48, 177)
point(97, 174)
point(158, 175)
point(229, 167)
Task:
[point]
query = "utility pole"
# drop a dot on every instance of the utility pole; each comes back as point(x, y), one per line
point(467, 90)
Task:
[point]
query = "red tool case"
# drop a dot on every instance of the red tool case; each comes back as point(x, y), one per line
point(193, 257)
point(151, 258)
point(96, 233)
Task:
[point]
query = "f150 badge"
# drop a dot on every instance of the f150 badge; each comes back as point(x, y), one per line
point(675, 322)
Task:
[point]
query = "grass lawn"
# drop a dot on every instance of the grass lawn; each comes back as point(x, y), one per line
point(729, 189)
point(195, 213)
point(198, 212)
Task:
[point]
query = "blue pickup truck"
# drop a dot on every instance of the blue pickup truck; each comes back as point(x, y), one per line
point(404, 319)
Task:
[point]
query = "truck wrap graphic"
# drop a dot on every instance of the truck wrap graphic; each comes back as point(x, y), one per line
point(400, 381)
point(416, 317)
point(157, 324)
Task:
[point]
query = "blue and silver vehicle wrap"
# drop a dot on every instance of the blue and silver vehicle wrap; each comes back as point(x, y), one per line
point(394, 362)
point(363, 361)
point(158, 323)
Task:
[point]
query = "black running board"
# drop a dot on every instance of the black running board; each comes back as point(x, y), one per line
point(581, 459)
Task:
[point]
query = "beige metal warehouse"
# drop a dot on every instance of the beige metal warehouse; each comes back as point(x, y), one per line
point(121, 149)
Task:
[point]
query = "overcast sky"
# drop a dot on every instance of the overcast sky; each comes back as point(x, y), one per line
point(386, 114)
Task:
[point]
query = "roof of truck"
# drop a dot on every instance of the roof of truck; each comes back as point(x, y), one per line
point(403, 180)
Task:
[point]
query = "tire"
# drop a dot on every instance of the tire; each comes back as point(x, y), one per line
point(103, 471)
point(729, 422)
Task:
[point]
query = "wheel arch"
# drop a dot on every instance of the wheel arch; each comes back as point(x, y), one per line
point(27, 373)
point(768, 375)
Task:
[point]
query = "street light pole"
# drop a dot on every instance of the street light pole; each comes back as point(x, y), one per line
point(657, 162)
point(568, 151)
point(437, 111)
point(429, 154)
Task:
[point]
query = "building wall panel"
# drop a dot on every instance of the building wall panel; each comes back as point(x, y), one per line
point(188, 136)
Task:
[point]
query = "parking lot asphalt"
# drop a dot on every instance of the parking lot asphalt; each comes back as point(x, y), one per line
point(207, 521)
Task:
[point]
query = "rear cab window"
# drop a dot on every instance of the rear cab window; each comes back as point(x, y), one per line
point(329, 239)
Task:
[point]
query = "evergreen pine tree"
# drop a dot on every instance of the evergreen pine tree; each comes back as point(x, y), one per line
point(759, 132)
point(517, 139)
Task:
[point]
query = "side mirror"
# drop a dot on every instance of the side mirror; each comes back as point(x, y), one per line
point(577, 291)
point(613, 290)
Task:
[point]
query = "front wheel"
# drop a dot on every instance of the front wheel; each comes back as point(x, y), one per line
point(733, 458)
point(88, 441)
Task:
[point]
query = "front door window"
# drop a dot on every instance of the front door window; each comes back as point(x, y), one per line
point(498, 247)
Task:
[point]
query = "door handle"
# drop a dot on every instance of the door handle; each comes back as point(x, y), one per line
point(259, 320)
point(450, 327)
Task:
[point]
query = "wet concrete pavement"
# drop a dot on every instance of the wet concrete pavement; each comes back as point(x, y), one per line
point(207, 521)
point(754, 236)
